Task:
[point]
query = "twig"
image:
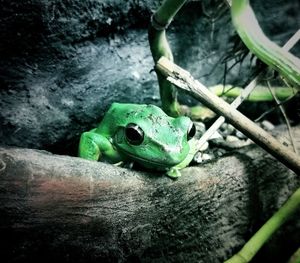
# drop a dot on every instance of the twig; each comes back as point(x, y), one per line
point(182, 79)
point(292, 41)
point(244, 94)
point(272, 109)
point(284, 116)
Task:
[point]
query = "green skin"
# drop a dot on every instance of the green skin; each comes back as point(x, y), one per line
point(165, 146)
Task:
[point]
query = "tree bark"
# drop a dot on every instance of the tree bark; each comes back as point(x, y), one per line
point(68, 209)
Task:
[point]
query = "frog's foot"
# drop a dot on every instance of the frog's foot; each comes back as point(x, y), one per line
point(89, 146)
point(93, 146)
point(173, 173)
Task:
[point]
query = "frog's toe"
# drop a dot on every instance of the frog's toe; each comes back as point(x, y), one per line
point(120, 164)
point(173, 173)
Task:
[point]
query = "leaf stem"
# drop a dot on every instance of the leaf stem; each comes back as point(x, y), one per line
point(159, 47)
point(267, 230)
point(258, 43)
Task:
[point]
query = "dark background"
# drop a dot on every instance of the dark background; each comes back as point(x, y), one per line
point(62, 63)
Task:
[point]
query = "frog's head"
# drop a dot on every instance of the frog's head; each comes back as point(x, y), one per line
point(153, 139)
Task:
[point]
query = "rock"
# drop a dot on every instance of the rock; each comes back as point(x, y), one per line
point(63, 63)
point(202, 157)
point(231, 139)
point(240, 135)
point(216, 136)
point(266, 125)
point(59, 208)
point(200, 126)
point(226, 129)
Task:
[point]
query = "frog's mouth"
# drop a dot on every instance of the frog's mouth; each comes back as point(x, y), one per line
point(153, 164)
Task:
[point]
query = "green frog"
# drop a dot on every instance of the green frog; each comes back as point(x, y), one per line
point(143, 134)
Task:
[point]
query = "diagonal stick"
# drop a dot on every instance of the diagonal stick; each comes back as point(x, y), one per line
point(238, 100)
point(185, 81)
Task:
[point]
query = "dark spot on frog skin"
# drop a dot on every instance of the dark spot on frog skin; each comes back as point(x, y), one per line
point(181, 148)
point(130, 113)
point(159, 119)
point(162, 149)
point(151, 117)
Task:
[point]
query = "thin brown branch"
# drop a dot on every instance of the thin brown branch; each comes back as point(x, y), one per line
point(284, 116)
point(183, 79)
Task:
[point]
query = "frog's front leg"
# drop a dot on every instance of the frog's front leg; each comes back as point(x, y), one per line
point(93, 146)
point(174, 172)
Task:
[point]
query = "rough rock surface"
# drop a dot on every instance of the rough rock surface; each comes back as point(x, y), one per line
point(65, 209)
point(64, 62)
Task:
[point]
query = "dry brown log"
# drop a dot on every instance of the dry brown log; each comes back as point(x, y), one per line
point(60, 208)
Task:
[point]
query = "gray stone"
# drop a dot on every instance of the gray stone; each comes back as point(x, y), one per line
point(268, 126)
point(63, 63)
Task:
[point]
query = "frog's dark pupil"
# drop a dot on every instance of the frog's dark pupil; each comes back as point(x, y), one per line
point(134, 134)
point(191, 131)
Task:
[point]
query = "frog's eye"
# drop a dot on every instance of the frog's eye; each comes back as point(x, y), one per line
point(191, 131)
point(134, 134)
